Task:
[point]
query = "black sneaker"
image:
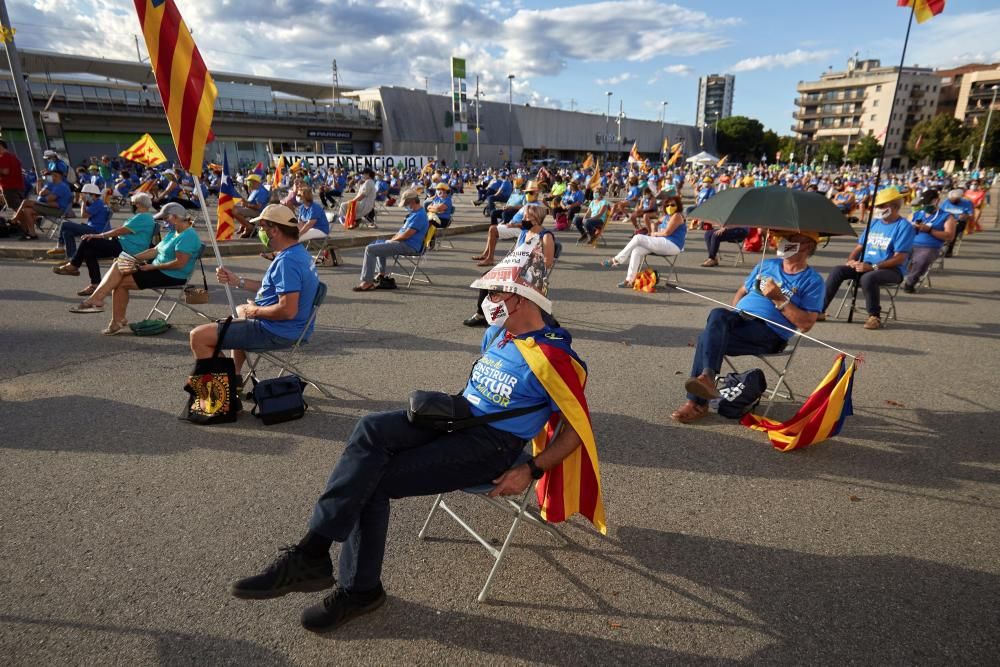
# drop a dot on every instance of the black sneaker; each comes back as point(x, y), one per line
point(908, 288)
point(339, 607)
point(291, 572)
point(476, 320)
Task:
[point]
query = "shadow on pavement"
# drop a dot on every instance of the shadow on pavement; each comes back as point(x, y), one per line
point(32, 295)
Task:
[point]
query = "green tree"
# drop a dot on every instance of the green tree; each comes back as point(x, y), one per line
point(832, 150)
point(866, 149)
point(991, 149)
point(740, 138)
point(941, 138)
point(769, 145)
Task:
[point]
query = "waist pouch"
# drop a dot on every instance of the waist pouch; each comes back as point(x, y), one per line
point(447, 412)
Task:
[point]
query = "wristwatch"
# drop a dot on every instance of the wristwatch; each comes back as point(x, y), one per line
point(536, 472)
point(241, 283)
point(874, 267)
point(783, 304)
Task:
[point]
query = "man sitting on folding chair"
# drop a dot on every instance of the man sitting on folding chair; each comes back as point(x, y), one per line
point(54, 200)
point(527, 373)
point(786, 290)
point(409, 240)
point(274, 319)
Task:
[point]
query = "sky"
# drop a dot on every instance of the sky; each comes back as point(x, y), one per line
point(562, 53)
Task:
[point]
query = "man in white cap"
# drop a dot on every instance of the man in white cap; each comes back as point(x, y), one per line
point(409, 240)
point(527, 373)
point(962, 210)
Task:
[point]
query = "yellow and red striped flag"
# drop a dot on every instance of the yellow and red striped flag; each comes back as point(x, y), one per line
point(924, 9)
point(589, 162)
point(633, 155)
point(276, 179)
point(186, 87)
point(145, 152)
point(574, 486)
point(595, 179)
point(722, 160)
point(226, 225)
point(820, 417)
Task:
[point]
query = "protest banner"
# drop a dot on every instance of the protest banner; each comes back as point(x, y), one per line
point(356, 163)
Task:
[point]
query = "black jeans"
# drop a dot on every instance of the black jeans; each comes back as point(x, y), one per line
point(388, 457)
point(91, 250)
point(871, 284)
point(714, 241)
point(502, 214)
point(959, 230)
point(329, 197)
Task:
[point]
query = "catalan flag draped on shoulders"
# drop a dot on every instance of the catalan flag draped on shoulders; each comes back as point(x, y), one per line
point(185, 85)
point(820, 417)
point(923, 10)
point(228, 197)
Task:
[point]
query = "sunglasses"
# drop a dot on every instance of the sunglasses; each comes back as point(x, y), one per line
point(496, 296)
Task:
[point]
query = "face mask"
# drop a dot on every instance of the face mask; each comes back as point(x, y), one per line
point(496, 313)
point(526, 224)
point(264, 238)
point(531, 196)
point(671, 210)
point(787, 249)
point(881, 213)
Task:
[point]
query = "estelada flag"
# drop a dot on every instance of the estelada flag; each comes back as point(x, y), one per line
point(259, 169)
point(145, 152)
point(677, 148)
point(923, 9)
point(574, 486)
point(722, 160)
point(185, 85)
point(226, 226)
point(278, 168)
point(820, 417)
point(589, 162)
point(595, 180)
point(633, 155)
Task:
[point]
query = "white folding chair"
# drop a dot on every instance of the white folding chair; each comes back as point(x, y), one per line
point(175, 296)
point(284, 363)
point(891, 292)
point(518, 508)
point(781, 370)
point(671, 261)
point(415, 260)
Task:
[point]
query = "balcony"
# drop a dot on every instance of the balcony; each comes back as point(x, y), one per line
point(804, 115)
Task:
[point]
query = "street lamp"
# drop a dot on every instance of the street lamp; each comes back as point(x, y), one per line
point(986, 130)
point(607, 115)
point(510, 118)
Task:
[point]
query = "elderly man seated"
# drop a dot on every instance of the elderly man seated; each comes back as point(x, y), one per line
point(962, 210)
point(54, 200)
point(785, 291)
point(409, 240)
point(257, 198)
point(275, 317)
point(886, 253)
point(934, 227)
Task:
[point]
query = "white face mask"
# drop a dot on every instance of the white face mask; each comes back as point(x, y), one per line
point(496, 313)
point(787, 249)
point(881, 213)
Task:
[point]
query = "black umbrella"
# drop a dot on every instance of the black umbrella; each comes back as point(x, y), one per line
point(775, 207)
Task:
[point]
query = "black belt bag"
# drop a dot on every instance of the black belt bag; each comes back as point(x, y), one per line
point(279, 399)
point(446, 412)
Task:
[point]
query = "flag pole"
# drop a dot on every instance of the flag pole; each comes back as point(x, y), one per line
point(211, 237)
point(881, 161)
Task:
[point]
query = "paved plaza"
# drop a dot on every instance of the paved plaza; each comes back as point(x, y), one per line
point(121, 527)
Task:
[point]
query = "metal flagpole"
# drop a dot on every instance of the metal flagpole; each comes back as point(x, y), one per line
point(881, 161)
point(211, 237)
point(23, 99)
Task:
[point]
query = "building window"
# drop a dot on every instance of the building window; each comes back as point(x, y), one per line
point(878, 88)
point(871, 117)
point(875, 103)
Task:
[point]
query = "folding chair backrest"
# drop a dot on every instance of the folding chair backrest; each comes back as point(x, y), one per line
point(320, 296)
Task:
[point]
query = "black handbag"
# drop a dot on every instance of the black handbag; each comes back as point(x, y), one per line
point(741, 392)
point(211, 387)
point(279, 399)
point(446, 412)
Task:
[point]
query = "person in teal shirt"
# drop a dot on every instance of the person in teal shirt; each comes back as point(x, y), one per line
point(169, 264)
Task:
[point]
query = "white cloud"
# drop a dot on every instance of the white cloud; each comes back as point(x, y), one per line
point(615, 80)
point(955, 39)
point(784, 60)
point(672, 70)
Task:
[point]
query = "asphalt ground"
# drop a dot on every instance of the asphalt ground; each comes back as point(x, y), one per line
point(120, 526)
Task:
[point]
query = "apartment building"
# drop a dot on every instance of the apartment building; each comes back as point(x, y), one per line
point(715, 98)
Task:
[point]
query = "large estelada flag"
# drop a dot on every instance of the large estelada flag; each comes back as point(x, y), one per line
point(820, 417)
point(923, 9)
point(185, 85)
point(574, 486)
point(145, 152)
point(226, 226)
point(633, 155)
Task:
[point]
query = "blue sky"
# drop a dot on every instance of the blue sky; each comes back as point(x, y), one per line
point(563, 53)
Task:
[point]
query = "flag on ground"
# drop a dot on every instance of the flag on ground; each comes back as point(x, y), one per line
point(574, 486)
point(820, 417)
point(185, 85)
point(226, 225)
point(924, 9)
point(145, 152)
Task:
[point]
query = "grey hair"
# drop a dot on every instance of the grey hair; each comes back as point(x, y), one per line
point(142, 199)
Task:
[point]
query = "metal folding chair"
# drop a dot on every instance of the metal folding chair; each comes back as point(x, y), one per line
point(738, 257)
point(57, 223)
point(415, 260)
point(174, 296)
point(671, 261)
point(781, 370)
point(518, 508)
point(891, 292)
point(925, 280)
point(284, 363)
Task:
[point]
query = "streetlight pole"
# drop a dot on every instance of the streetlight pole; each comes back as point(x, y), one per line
point(510, 118)
point(607, 115)
point(986, 130)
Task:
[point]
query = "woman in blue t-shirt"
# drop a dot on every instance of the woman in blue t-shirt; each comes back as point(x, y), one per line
point(934, 227)
point(169, 264)
point(667, 240)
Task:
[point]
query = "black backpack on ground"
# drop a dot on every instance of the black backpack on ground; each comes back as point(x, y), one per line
point(741, 392)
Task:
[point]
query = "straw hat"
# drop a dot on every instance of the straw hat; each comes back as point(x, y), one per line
point(888, 195)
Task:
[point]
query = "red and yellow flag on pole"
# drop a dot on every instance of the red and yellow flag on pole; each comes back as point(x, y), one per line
point(228, 197)
point(278, 168)
point(633, 155)
point(145, 152)
point(820, 417)
point(185, 85)
point(595, 180)
point(574, 486)
point(923, 9)
point(589, 162)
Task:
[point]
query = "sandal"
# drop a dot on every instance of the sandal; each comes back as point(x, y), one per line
point(625, 284)
point(609, 263)
point(486, 262)
point(85, 307)
point(87, 291)
point(115, 328)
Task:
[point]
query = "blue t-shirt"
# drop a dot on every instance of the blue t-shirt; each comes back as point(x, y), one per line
point(259, 197)
point(936, 220)
point(449, 207)
point(962, 207)
point(416, 220)
point(517, 198)
point(142, 225)
point(886, 239)
point(678, 235)
point(314, 212)
point(502, 380)
point(98, 216)
point(572, 197)
point(186, 242)
point(805, 289)
point(633, 193)
point(64, 196)
point(291, 271)
point(506, 187)
point(705, 194)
